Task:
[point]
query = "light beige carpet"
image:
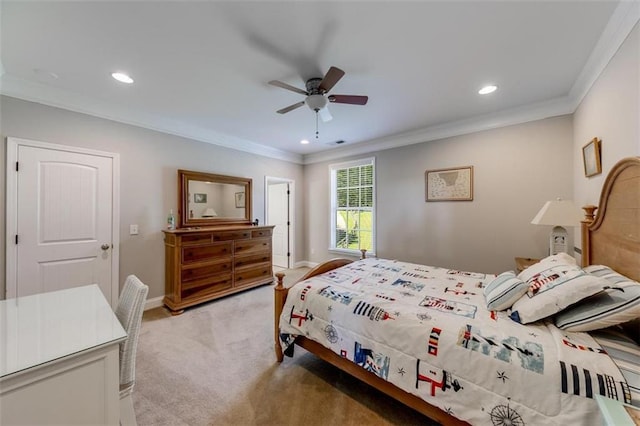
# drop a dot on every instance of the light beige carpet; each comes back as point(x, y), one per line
point(215, 365)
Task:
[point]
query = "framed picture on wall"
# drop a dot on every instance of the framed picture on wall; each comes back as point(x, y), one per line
point(239, 200)
point(454, 184)
point(591, 157)
point(199, 198)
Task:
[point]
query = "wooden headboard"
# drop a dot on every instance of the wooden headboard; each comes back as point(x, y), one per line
point(612, 237)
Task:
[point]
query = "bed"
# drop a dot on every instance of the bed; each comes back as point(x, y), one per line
point(467, 363)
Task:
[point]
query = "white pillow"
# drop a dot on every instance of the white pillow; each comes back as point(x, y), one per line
point(553, 284)
point(503, 291)
point(560, 258)
point(616, 305)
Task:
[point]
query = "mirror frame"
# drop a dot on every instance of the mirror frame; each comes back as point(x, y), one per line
point(185, 176)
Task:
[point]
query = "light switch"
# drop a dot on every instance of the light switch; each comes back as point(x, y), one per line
point(133, 229)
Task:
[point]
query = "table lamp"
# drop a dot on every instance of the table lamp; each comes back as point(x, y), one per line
point(558, 213)
point(209, 212)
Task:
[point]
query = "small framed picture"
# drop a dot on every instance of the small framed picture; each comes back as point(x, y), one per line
point(239, 200)
point(454, 184)
point(199, 198)
point(591, 157)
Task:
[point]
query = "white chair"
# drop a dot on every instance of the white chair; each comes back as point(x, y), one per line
point(129, 312)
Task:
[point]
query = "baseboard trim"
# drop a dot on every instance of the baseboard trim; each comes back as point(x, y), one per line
point(305, 263)
point(156, 302)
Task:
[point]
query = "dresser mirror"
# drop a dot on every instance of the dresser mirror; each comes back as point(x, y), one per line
point(208, 199)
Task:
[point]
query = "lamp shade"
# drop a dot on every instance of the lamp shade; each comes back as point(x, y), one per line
point(558, 213)
point(209, 212)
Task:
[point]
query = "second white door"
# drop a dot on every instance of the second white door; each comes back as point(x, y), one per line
point(278, 215)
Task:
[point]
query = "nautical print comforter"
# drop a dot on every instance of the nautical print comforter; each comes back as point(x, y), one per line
point(427, 330)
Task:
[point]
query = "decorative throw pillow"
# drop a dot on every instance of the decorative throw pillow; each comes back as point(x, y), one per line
point(553, 284)
point(503, 291)
point(616, 305)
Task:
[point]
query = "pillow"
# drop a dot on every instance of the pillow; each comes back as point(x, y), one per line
point(553, 284)
point(616, 305)
point(560, 258)
point(503, 291)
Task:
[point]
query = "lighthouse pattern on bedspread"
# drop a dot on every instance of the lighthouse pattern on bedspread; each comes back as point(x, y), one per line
point(427, 330)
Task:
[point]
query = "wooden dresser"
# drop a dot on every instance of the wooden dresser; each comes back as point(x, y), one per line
point(202, 264)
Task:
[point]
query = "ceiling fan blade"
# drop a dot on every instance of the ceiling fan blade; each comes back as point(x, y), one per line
point(290, 108)
point(287, 86)
point(348, 99)
point(325, 115)
point(331, 78)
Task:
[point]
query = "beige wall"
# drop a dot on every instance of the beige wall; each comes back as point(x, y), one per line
point(611, 112)
point(516, 169)
point(148, 171)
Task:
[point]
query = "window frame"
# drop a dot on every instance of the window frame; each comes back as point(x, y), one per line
point(333, 201)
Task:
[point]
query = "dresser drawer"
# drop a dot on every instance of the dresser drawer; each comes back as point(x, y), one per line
point(231, 235)
point(261, 233)
point(244, 276)
point(197, 273)
point(196, 239)
point(202, 253)
point(205, 286)
point(244, 261)
point(253, 246)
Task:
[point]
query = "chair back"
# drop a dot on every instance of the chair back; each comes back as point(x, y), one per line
point(129, 312)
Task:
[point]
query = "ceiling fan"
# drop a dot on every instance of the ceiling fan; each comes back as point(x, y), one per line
point(316, 94)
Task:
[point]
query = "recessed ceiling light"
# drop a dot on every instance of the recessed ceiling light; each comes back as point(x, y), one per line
point(304, 142)
point(122, 77)
point(487, 89)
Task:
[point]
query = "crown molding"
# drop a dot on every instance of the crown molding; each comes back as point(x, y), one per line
point(13, 86)
point(539, 111)
point(620, 25)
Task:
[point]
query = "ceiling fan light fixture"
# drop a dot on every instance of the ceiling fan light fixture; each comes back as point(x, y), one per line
point(488, 89)
point(316, 102)
point(304, 142)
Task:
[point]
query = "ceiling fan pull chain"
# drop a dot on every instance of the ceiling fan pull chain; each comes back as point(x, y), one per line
point(316, 124)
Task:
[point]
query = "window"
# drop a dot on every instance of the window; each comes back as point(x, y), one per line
point(353, 206)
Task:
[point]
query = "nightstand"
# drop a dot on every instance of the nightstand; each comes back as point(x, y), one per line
point(523, 263)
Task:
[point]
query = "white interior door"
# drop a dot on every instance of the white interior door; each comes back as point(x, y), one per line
point(64, 220)
point(278, 215)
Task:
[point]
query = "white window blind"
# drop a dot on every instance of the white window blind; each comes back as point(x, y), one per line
point(353, 206)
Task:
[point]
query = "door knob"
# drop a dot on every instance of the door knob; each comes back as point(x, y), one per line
point(105, 247)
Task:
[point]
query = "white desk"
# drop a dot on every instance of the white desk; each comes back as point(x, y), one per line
point(59, 361)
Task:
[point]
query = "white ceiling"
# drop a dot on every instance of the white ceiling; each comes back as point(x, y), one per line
point(201, 68)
